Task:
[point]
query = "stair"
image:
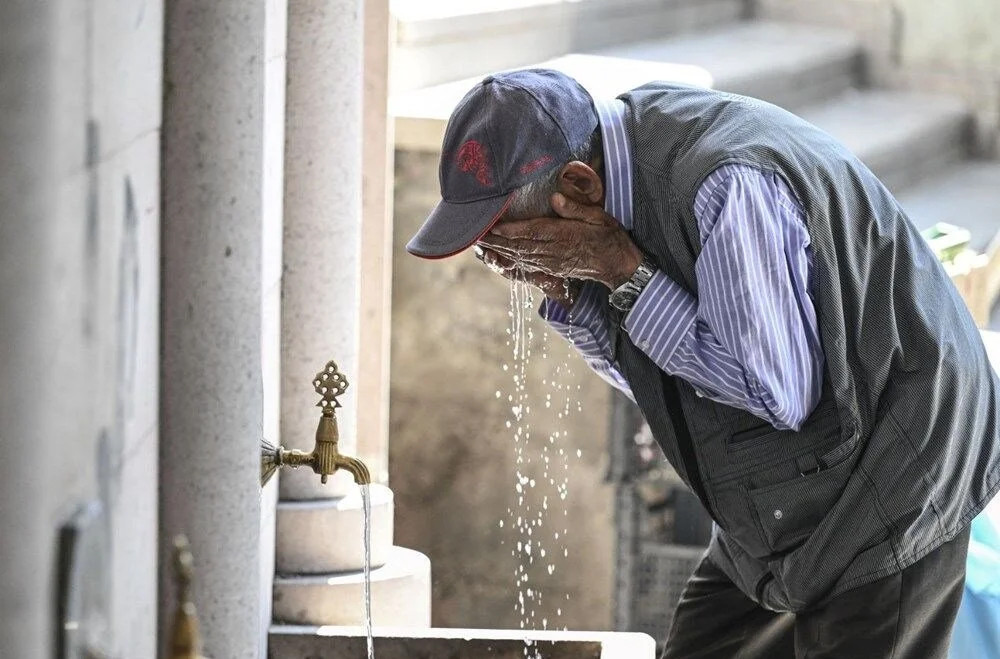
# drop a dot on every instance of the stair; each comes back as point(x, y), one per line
point(789, 65)
point(966, 195)
point(439, 41)
point(902, 137)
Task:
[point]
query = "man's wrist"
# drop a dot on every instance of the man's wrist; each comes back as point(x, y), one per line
point(625, 266)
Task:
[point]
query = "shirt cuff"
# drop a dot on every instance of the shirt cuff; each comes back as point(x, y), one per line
point(661, 318)
point(583, 325)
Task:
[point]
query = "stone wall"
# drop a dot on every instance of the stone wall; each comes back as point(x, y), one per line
point(452, 457)
point(79, 279)
point(951, 48)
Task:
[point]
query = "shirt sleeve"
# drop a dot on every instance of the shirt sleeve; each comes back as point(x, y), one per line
point(585, 328)
point(750, 339)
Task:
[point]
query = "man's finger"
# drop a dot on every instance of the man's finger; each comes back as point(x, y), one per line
point(499, 244)
point(533, 229)
point(524, 252)
point(509, 261)
point(512, 270)
point(513, 246)
point(495, 259)
point(573, 210)
point(501, 265)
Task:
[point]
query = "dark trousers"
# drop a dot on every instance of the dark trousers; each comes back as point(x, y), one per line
point(908, 615)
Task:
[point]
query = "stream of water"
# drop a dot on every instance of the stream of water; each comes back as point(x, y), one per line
point(541, 477)
point(366, 500)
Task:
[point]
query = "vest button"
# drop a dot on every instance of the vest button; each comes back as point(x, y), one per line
point(778, 514)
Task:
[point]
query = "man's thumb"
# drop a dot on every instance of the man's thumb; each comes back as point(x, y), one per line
point(567, 208)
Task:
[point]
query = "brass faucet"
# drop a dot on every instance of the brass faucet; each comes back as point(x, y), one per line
point(325, 457)
point(185, 642)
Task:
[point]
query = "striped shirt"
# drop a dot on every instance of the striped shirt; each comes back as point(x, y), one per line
point(750, 339)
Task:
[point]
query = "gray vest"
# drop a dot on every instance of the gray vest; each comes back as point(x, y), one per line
point(902, 451)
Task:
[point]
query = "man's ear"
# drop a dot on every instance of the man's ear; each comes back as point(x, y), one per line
point(579, 182)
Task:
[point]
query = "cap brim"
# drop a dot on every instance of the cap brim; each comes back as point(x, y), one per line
point(452, 228)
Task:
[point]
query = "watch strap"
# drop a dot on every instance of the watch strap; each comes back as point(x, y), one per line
point(623, 297)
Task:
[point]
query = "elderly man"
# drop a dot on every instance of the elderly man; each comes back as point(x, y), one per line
point(797, 350)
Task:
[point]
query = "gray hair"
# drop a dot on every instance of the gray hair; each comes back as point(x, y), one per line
point(534, 198)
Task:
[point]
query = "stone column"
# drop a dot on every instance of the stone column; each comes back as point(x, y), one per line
point(322, 236)
point(211, 358)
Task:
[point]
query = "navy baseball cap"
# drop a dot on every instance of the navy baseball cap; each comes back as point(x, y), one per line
point(508, 130)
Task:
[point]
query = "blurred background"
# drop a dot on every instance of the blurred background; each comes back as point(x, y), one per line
point(201, 203)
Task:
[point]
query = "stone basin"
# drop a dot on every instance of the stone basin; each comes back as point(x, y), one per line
point(296, 642)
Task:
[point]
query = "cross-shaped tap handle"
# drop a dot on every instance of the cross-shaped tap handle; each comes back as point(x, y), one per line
point(329, 383)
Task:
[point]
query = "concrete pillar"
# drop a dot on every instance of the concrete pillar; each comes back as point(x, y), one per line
point(322, 235)
point(25, 331)
point(211, 383)
point(273, 195)
point(327, 267)
point(376, 244)
point(79, 299)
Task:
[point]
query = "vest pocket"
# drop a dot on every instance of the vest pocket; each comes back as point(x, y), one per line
point(763, 432)
point(788, 512)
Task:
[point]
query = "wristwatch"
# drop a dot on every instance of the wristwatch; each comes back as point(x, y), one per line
point(623, 297)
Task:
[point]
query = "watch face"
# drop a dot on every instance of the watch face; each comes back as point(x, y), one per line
point(622, 300)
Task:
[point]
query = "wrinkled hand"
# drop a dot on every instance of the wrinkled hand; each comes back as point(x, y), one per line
point(584, 242)
point(563, 291)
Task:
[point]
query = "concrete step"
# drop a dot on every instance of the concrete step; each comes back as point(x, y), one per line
point(903, 137)
point(438, 42)
point(421, 115)
point(326, 535)
point(967, 195)
point(400, 595)
point(789, 65)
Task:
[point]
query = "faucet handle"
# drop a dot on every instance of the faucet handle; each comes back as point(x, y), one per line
point(185, 642)
point(329, 383)
point(183, 568)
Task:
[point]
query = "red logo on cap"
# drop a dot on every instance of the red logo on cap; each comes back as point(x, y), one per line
point(472, 158)
point(535, 164)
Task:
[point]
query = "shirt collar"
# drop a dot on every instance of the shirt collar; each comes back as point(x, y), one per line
point(617, 161)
